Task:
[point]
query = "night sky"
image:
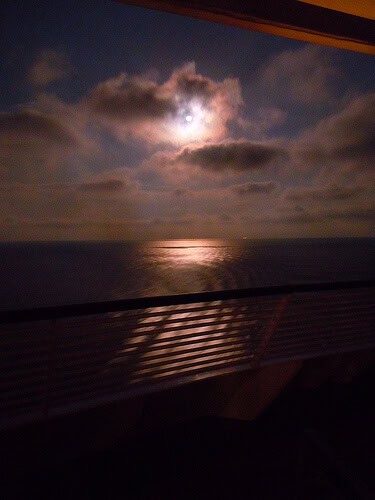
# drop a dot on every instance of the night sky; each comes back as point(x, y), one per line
point(119, 122)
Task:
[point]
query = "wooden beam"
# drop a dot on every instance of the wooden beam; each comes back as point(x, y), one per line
point(361, 8)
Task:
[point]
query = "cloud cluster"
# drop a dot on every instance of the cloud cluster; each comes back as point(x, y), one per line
point(301, 75)
point(105, 186)
point(56, 158)
point(48, 67)
point(139, 107)
point(255, 188)
point(327, 193)
point(346, 136)
point(130, 100)
point(300, 215)
point(238, 155)
point(29, 126)
point(34, 142)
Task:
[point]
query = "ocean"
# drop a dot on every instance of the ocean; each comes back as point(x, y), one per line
point(54, 273)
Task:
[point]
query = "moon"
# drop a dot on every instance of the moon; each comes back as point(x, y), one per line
point(191, 123)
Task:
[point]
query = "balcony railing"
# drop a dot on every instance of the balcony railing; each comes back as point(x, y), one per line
point(60, 360)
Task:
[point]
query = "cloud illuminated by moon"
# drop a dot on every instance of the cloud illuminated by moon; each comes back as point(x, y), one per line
point(188, 107)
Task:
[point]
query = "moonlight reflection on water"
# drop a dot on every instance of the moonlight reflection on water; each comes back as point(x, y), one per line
point(189, 252)
point(78, 272)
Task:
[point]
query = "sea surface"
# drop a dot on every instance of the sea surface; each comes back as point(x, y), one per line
point(55, 273)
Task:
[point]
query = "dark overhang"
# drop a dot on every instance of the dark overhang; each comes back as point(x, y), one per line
point(343, 24)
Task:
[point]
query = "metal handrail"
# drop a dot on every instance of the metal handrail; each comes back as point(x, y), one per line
point(65, 359)
point(91, 308)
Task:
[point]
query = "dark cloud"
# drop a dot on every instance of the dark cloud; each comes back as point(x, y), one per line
point(295, 215)
point(225, 218)
point(345, 136)
point(234, 155)
point(190, 85)
point(255, 188)
point(130, 99)
point(354, 213)
point(263, 120)
point(36, 145)
point(301, 75)
point(30, 126)
point(49, 66)
point(108, 186)
point(325, 193)
point(136, 98)
point(300, 215)
point(186, 83)
point(182, 193)
point(170, 222)
point(20, 188)
point(63, 222)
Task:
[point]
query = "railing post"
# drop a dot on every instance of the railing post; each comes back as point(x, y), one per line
point(271, 328)
point(50, 356)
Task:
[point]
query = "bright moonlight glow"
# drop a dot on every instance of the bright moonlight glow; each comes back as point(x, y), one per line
point(192, 122)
